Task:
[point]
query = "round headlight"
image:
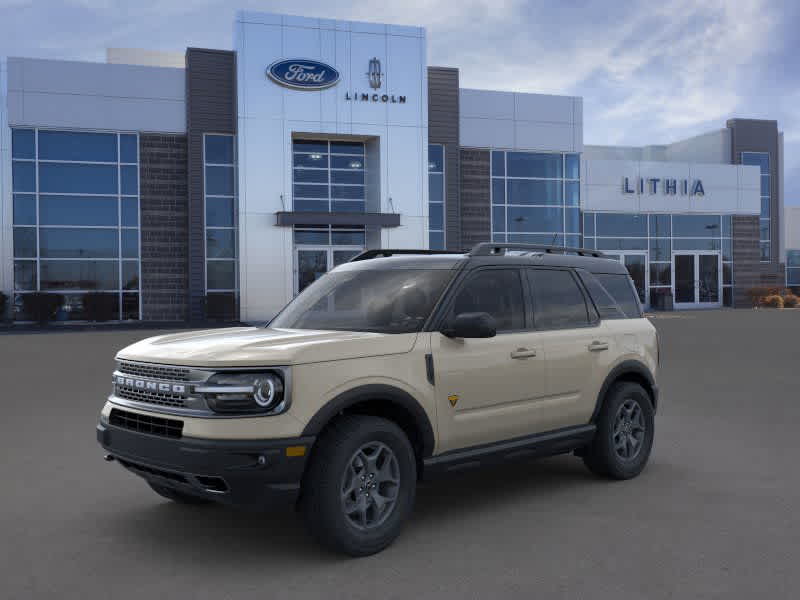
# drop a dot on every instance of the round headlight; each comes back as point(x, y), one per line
point(265, 392)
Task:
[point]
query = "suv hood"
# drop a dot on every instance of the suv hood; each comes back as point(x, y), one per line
point(257, 346)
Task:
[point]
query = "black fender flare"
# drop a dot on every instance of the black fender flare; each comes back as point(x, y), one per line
point(627, 367)
point(387, 393)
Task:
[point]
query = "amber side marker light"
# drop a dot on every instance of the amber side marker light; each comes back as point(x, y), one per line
point(295, 451)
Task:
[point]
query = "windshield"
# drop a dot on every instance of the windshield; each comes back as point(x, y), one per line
point(383, 301)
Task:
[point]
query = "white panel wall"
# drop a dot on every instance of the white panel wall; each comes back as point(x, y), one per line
point(6, 206)
point(713, 147)
point(491, 119)
point(82, 95)
point(269, 115)
point(729, 189)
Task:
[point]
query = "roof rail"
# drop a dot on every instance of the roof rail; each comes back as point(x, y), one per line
point(490, 248)
point(376, 252)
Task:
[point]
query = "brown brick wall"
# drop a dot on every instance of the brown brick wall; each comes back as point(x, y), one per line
point(165, 226)
point(476, 216)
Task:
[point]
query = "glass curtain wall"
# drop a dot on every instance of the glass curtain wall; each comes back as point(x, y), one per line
point(793, 270)
point(436, 197)
point(328, 176)
point(76, 221)
point(535, 198)
point(761, 160)
point(659, 235)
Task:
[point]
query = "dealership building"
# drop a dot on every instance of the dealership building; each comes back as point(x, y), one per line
point(218, 184)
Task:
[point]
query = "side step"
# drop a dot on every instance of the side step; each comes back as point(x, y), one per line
point(539, 445)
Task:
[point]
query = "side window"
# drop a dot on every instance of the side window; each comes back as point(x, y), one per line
point(622, 290)
point(558, 302)
point(606, 305)
point(497, 292)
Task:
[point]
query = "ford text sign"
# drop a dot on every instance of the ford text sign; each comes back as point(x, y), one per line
point(303, 74)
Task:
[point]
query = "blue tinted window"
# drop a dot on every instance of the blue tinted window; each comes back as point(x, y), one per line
point(766, 251)
point(128, 149)
point(726, 225)
point(572, 220)
point(765, 185)
point(221, 274)
point(759, 159)
point(25, 242)
point(529, 164)
point(573, 166)
point(77, 179)
point(356, 177)
point(312, 175)
point(220, 243)
point(219, 181)
point(130, 212)
point(526, 191)
point(347, 148)
point(727, 249)
point(696, 225)
point(348, 238)
point(793, 258)
point(765, 207)
point(660, 226)
point(498, 163)
point(621, 244)
point(310, 146)
point(572, 189)
point(310, 191)
point(130, 243)
point(80, 275)
point(320, 161)
point(523, 219)
point(219, 212)
point(660, 249)
point(695, 244)
point(498, 191)
point(129, 180)
point(78, 243)
point(572, 240)
point(588, 224)
point(764, 229)
point(436, 240)
point(498, 218)
point(24, 275)
point(347, 192)
point(219, 149)
point(348, 206)
point(23, 143)
point(626, 225)
point(77, 210)
point(23, 176)
point(24, 209)
point(435, 158)
point(312, 237)
point(436, 216)
point(436, 188)
point(311, 205)
point(130, 275)
point(549, 239)
point(80, 146)
point(338, 162)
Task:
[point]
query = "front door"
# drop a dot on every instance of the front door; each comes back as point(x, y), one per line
point(697, 279)
point(636, 263)
point(311, 263)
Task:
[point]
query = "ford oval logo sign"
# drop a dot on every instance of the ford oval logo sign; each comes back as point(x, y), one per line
point(303, 74)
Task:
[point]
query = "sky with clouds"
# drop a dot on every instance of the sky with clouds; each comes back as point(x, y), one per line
point(649, 72)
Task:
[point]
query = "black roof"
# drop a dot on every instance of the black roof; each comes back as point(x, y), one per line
point(488, 255)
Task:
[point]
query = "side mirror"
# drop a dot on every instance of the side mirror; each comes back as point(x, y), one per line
point(471, 325)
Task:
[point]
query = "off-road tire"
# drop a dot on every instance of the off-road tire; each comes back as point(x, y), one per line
point(603, 456)
point(322, 496)
point(175, 495)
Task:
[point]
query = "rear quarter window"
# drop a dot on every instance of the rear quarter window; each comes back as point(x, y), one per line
point(620, 288)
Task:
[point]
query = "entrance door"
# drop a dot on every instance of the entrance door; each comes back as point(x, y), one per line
point(697, 279)
point(636, 263)
point(311, 263)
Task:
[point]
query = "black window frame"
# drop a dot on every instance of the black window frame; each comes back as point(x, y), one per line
point(592, 315)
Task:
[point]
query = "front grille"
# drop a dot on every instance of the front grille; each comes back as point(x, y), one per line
point(170, 428)
point(145, 470)
point(154, 371)
point(160, 398)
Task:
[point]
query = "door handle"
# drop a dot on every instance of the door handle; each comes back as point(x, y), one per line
point(523, 353)
point(596, 346)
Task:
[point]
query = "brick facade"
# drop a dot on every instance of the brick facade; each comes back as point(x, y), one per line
point(748, 271)
point(164, 226)
point(476, 216)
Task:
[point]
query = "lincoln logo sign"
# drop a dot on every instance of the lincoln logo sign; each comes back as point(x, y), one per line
point(302, 74)
point(669, 187)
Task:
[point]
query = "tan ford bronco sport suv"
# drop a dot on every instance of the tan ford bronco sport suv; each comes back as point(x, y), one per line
point(395, 366)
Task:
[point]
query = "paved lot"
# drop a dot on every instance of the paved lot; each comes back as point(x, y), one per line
point(713, 516)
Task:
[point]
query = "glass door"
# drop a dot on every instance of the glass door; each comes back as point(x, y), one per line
point(636, 263)
point(708, 279)
point(696, 279)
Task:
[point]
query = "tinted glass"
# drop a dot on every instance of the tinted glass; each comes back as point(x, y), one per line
point(436, 188)
point(311, 237)
point(130, 307)
point(765, 185)
point(793, 258)
point(588, 224)
point(77, 210)
point(310, 191)
point(25, 275)
point(572, 220)
point(727, 249)
point(219, 212)
point(572, 193)
point(621, 244)
point(219, 149)
point(621, 289)
point(77, 179)
point(386, 300)
point(129, 184)
point(24, 209)
point(347, 148)
point(219, 181)
point(435, 158)
point(311, 205)
point(130, 212)
point(312, 175)
point(498, 164)
point(130, 243)
point(573, 166)
point(128, 149)
point(221, 274)
point(531, 191)
point(80, 275)
point(220, 243)
point(494, 291)
point(765, 207)
point(661, 274)
point(529, 164)
point(25, 242)
point(558, 302)
point(317, 161)
point(436, 240)
point(130, 275)
point(344, 162)
point(310, 146)
point(660, 249)
point(765, 250)
point(347, 192)
point(23, 176)
point(695, 244)
point(727, 226)
point(660, 226)
point(357, 177)
point(73, 145)
point(436, 216)
point(523, 219)
point(23, 143)
point(78, 243)
point(550, 239)
point(624, 225)
point(498, 191)
point(348, 238)
point(606, 306)
point(759, 159)
point(696, 225)
point(347, 206)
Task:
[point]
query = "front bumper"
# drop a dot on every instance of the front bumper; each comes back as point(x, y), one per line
point(248, 473)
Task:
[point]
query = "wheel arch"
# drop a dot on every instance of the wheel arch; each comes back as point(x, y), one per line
point(384, 401)
point(629, 370)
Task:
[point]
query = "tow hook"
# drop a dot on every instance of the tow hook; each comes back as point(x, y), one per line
point(108, 458)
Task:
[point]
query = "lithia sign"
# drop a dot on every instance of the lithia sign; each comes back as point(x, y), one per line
point(306, 74)
point(667, 186)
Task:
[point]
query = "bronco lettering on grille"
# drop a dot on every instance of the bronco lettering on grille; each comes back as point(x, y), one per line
point(152, 386)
